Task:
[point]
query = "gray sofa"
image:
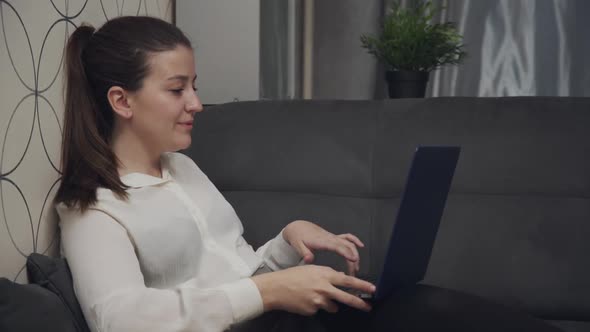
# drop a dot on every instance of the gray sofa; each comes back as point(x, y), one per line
point(516, 227)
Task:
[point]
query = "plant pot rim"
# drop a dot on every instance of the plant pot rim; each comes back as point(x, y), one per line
point(407, 71)
point(407, 75)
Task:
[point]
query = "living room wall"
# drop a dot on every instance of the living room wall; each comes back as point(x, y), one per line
point(32, 37)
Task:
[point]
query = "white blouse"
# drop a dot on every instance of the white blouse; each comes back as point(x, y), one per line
point(171, 258)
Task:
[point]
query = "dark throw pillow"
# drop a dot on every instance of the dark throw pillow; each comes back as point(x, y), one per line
point(31, 308)
point(54, 275)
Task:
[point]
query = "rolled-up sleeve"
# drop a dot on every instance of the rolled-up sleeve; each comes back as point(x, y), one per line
point(112, 294)
point(278, 254)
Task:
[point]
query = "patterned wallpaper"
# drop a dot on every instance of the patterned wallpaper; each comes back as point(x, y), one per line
point(32, 38)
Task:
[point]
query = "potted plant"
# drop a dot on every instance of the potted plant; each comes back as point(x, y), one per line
point(411, 47)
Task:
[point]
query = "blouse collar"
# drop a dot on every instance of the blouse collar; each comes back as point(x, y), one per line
point(139, 180)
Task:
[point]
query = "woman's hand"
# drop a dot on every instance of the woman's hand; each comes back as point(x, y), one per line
point(306, 289)
point(305, 237)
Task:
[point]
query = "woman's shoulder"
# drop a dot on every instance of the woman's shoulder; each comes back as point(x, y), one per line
point(73, 216)
point(104, 199)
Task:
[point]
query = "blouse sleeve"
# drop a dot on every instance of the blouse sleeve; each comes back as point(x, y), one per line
point(278, 254)
point(111, 291)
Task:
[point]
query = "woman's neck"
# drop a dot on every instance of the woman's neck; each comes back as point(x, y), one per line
point(135, 157)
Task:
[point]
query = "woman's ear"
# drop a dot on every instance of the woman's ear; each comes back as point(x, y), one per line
point(118, 99)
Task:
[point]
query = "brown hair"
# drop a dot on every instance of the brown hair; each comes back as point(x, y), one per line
point(117, 54)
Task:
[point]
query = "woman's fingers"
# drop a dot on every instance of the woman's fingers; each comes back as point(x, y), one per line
point(342, 280)
point(344, 244)
point(304, 252)
point(331, 293)
point(352, 238)
point(352, 268)
point(329, 306)
point(339, 245)
point(345, 248)
point(348, 299)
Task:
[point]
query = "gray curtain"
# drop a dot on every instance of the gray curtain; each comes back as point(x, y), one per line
point(280, 49)
point(273, 49)
point(516, 47)
point(342, 69)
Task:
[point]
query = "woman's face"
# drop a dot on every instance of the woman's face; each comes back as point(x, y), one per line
point(164, 108)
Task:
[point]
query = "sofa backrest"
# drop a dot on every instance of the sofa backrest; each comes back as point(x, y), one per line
point(517, 221)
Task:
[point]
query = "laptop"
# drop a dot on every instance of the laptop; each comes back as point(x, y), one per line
point(418, 219)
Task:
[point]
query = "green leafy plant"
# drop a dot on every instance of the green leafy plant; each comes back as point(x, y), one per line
point(408, 40)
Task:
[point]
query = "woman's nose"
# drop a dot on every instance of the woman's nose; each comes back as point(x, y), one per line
point(194, 104)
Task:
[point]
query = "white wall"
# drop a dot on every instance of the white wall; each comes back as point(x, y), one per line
point(226, 37)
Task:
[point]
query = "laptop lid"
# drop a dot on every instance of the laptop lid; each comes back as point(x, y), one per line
point(418, 217)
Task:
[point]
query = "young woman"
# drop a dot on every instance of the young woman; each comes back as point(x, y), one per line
point(151, 243)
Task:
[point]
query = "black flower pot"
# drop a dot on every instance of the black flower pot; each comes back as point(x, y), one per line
point(407, 84)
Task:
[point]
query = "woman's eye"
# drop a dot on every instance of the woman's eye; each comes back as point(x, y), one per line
point(176, 91)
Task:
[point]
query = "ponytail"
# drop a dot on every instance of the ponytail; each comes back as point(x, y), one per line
point(87, 160)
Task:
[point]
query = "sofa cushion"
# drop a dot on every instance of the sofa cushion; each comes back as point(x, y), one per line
point(54, 275)
point(571, 326)
point(428, 308)
point(32, 308)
